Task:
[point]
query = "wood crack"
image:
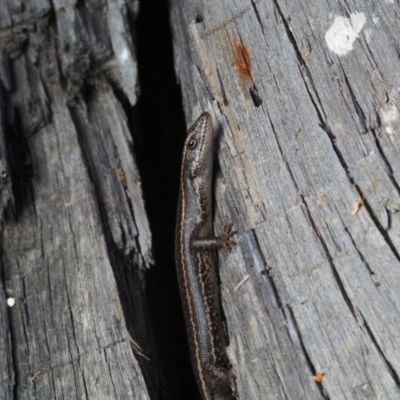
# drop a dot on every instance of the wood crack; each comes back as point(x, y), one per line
point(389, 168)
point(284, 160)
point(391, 368)
point(362, 258)
point(268, 271)
point(310, 364)
point(254, 4)
point(328, 257)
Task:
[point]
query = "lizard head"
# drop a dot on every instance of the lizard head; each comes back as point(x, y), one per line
point(198, 148)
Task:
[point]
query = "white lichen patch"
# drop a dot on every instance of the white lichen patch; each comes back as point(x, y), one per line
point(343, 32)
point(368, 35)
point(11, 302)
point(390, 118)
point(390, 113)
point(375, 20)
point(124, 55)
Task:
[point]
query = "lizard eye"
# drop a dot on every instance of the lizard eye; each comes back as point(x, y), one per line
point(192, 143)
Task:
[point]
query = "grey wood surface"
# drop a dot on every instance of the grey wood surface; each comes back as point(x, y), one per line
point(304, 96)
point(75, 240)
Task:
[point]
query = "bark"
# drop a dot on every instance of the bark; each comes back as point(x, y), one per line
point(75, 239)
point(304, 97)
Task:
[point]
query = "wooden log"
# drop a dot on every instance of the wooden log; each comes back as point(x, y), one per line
point(304, 97)
point(75, 240)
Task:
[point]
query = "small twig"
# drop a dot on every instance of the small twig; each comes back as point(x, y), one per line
point(35, 375)
point(245, 279)
point(137, 349)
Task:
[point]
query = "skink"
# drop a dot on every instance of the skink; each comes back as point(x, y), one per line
point(195, 262)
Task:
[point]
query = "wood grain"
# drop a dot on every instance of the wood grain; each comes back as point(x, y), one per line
point(75, 240)
point(305, 95)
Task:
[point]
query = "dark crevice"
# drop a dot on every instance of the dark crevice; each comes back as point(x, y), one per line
point(374, 64)
point(257, 100)
point(84, 384)
point(221, 84)
point(20, 162)
point(268, 270)
point(283, 155)
point(328, 257)
point(208, 89)
point(345, 9)
point(363, 259)
point(357, 108)
point(386, 161)
point(24, 297)
point(319, 109)
point(160, 125)
point(389, 219)
point(199, 18)
point(306, 355)
point(7, 206)
point(391, 369)
point(253, 3)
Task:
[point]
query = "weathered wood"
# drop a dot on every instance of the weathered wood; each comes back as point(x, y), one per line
point(304, 96)
point(75, 246)
point(6, 195)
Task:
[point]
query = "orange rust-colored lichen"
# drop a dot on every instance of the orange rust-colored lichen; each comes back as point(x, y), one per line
point(356, 207)
point(318, 376)
point(242, 61)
